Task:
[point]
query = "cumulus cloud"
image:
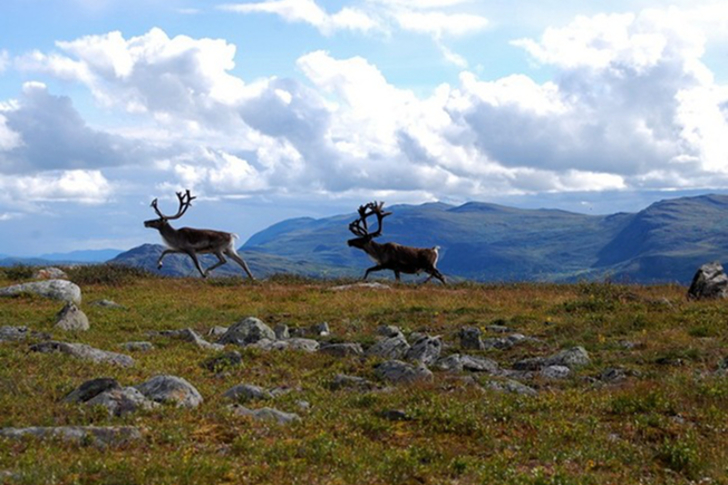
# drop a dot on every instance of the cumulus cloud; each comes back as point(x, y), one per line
point(308, 11)
point(84, 186)
point(45, 132)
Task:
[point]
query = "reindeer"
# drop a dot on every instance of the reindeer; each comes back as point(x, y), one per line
point(194, 241)
point(398, 258)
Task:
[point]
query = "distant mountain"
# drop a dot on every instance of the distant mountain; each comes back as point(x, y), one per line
point(261, 264)
point(86, 256)
point(666, 242)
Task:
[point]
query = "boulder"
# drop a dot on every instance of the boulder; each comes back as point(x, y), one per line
point(83, 352)
point(54, 289)
point(470, 338)
point(121, 401)
point(266, 414)
point(555, 372)
point(100, 436)
point(398, 372)
point(189, 335)
point(391, 348)
point(50, 273)
point(709, 282)
point(425, 350)
point(342, 350)
point(247, 392)
point(171, 389)
point(72, 318)
point(90, 389)
point(247, 331)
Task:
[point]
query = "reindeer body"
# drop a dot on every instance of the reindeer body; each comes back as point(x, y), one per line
point(392, 256)
point(195, 241)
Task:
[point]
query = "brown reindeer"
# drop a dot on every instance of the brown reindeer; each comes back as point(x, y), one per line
point(194, 241)
point(393, 256)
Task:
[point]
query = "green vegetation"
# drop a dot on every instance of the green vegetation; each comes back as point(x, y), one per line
point(664, 423)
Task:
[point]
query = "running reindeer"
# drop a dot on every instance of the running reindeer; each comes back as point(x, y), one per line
point(398, 258)
point(194, 241)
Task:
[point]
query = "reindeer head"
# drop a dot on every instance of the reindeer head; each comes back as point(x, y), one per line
point(360, 228)
point(185, 201)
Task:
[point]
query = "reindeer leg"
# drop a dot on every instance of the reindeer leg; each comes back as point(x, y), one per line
point(373, 268)
point(236, 257)
point(193, 255)
point(220, 261)
point(164, 253)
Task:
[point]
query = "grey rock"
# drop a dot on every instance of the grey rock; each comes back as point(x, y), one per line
point(83, 352)
point(342, 350)
point(189, 335)
point(530, 364)
point(426, 350)
point(613, 375)
point(471, 338)
point(343, 381)
point(246, 332)
point(499, 329)
point(71, 318)
point(138, 346)
point(281, 331)
point(90, 389)
point(394, 347)
point(458, 362)
point(217, 331)
point(171, 389)
point(13, 334)
point(395, 415)
point(50, 273)
point(571, 358)
point(555, 372)
point(247, 392)
point(389, 331)
point(304, 344)
point(511, 386)
point(121, 401)
point(398, 372)
point(504, 343)
point(361, 286)
point(54, 289)
point(321, 329)
point(222, 362)
point(709, 282)
point(100, 436)
point(266, 414)
point(107, 304)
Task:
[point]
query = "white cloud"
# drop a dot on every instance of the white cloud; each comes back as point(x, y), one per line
point(81, 186)
point(440, 24)
point(4, 60)
point(308, 11)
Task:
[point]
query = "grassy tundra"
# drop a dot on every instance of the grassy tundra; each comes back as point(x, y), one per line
point(666, 423)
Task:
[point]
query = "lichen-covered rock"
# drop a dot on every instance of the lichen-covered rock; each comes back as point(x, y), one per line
point(266, 414)
point(392, 348)
point(50, 273)
point(304, 344)
point(389, 331)
point(342, 350)
point(72, 318)
point(90, 389)
point(171, 389)
point(54, 289)
point(100, 436)
point(555, 372)
point(511, 386)
point(471, 338)
point(709, 282)
point(398, 372)
point(84, 352)
point(246, 332)
point(425, 350)
point(247, 392)
point(121, 401)
point(13, 334)
point(571, 358)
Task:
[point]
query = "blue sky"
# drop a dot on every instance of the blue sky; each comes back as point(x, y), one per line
point(287, 108)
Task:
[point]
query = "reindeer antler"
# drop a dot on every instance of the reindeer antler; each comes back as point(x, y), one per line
point(360, 228)
point(185, 201)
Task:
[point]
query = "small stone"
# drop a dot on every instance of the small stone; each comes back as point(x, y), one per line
point(361, 286)
point(138, 346)
point(342, 350)
point(555, 372)
point(320, 329)
point(90, 389)
point(107, 304)
point(13, 334)
point(83, 352)
point(389, 331)
point(189, 335)
point(281, 331)
point(426, 350)
point(573, 357)
point(171, 389)
point(71, 318)
point(246, 332)
point(50, 273)
point(247, 392)
point(395, 347)
point(395, 415)
point(343, 381)
point(470, 338)
point(399, 372)
point(266, 414)
point(511, 386)
point(217, 331)
point(100, 436)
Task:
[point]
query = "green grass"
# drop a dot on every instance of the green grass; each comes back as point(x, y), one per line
point(665, 424)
